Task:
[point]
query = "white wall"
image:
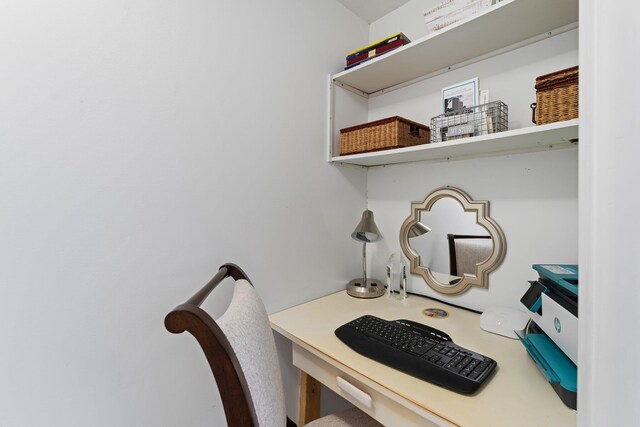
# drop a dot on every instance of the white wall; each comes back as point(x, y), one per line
point(534, 197)
point(408, 19)
point(143, 144)
point(608, 391)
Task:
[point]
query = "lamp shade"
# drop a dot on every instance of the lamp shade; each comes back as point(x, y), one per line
point(418, 229)
point(367, 230)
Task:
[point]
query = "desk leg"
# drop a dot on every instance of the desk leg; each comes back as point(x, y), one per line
point(309, 399)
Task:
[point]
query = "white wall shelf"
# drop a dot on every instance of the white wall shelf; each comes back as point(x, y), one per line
point(536, 138)
point(509, 24)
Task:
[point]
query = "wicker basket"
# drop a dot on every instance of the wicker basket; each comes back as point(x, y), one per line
point(393, 132)
point(556, 97)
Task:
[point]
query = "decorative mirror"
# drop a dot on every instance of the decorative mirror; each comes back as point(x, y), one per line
point(451, 241)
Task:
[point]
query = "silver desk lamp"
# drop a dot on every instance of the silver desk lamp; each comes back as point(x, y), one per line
point(366, 232)
point(418, 229)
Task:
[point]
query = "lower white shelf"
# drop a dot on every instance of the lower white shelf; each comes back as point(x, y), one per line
point(536, 138)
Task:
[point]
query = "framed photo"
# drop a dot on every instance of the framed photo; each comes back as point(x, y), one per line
point(460, 95)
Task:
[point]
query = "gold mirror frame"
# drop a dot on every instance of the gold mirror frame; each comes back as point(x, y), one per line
point(481, 208)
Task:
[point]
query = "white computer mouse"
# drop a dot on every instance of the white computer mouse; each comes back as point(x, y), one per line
point(504, 321)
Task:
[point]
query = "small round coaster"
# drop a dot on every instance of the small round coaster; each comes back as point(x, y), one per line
point(436, 313)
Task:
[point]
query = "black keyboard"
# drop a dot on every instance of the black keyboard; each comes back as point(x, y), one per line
point(418, 350)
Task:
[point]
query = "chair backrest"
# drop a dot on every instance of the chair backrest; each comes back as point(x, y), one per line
point(465, 251)
point(240, 349)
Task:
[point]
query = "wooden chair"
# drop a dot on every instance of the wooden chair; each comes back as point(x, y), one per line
point(241, 352)
point(465, 251)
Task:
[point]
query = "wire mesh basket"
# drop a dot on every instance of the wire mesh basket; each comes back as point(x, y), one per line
point(473, 121)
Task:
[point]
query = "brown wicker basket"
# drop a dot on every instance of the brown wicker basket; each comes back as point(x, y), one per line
point(392, 132)
point(556, 96)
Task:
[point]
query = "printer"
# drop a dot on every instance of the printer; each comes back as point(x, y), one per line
point(552, 335)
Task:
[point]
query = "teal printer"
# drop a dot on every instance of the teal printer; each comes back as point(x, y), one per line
point(552, 335)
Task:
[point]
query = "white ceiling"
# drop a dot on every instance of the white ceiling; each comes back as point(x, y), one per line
point(372, 10)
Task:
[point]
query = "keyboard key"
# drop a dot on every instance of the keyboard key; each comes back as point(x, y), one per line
point(420, 350)
point(482, 366)
point(473, 364)
point(377, 337)
point(479, 370)
point(464, 362)
point(473, 375)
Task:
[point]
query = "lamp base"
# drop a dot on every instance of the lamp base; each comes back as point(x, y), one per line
point(373, 288)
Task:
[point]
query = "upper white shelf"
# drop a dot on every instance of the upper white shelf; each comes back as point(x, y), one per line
point(506, 24)
point(535, 138)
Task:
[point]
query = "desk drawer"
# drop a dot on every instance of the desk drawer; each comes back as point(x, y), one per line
point(377, 401)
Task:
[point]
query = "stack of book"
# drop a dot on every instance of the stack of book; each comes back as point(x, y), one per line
point(376, 49)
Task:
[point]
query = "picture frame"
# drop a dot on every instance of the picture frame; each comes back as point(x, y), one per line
point(460, 95)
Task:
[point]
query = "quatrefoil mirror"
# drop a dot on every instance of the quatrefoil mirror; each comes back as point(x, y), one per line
point(451, 242)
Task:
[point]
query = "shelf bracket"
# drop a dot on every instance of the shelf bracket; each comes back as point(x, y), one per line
point(351, 89)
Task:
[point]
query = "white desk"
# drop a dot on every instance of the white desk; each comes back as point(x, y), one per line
point(517, 395)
